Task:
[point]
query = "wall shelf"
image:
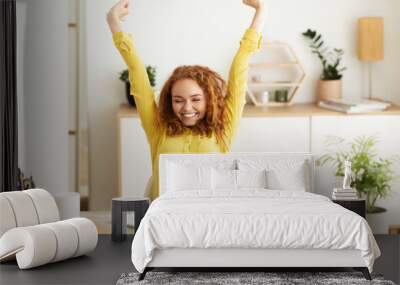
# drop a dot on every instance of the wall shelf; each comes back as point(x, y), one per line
point(259, 68)
point(295, 110)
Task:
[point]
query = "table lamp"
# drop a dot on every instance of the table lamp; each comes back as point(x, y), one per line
point(370, 43)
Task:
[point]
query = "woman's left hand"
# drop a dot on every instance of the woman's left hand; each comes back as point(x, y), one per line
point(256, 4)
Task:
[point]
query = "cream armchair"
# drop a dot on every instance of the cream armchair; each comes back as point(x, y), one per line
point(31, 232)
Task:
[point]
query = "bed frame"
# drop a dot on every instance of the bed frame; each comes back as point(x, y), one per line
point(248, 258)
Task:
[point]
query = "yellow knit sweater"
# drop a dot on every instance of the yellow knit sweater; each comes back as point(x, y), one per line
point(145, 103)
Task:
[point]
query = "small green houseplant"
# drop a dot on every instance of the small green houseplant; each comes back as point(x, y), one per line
point(372, 174)
point(124, 76)
point(330, 84)
point(330, 59)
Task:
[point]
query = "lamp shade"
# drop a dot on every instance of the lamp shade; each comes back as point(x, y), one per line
point(370, 38)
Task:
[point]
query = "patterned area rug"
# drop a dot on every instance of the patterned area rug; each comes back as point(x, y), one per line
point(269, 278)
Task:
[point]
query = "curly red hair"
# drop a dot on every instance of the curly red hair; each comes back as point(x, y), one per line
point(215, 91)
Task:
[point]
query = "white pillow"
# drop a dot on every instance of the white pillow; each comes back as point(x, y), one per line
point(252, 178)
point(224, 179)
point(188, 177)
point(287, 180)
point(282, 174)
point(229, 179)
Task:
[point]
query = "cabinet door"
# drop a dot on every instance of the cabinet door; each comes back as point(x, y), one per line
point(134, 158)
point(387, 130)
point(273, 135)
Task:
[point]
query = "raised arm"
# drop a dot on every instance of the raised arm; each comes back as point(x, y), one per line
point(118, 13)
point(259, 16)
point(140, 84)
point(237, 82)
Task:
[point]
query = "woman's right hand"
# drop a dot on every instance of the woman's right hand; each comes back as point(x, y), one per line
point(256, 4)
point(119, 11)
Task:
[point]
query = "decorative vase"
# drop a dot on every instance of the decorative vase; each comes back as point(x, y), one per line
point(129, 97)
point(329, 89)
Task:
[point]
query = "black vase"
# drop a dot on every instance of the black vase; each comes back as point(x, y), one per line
point(129, 97)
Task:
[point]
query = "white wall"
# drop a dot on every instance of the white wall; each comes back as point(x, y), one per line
point(45, 92)
point(337, 21)
point(175, 32)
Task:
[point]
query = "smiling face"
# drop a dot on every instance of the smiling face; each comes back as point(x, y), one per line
point(188, 101)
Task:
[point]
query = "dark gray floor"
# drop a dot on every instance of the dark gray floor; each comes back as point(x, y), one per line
point(110, 260)
point(389, 262)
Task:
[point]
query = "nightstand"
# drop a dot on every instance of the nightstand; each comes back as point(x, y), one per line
point(120, 207)
point(357, 206)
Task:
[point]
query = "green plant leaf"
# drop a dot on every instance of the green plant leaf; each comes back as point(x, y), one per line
point(317, 38)
point(327, 56)
point(372, 174)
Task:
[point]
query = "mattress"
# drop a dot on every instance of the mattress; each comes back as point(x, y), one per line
point(250, 219)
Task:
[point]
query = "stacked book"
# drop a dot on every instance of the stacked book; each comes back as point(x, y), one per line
point(353, 106)
point(344, 194)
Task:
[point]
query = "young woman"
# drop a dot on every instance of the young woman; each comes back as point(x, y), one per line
point(197, 111)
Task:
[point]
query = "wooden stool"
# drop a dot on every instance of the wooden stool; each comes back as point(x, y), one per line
point(394, 229)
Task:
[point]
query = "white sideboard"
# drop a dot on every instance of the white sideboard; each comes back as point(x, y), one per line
point(300, 128)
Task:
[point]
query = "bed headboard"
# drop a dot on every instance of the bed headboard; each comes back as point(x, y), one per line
point(232, 159)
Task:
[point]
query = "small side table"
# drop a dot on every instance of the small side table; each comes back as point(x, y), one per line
point(120, 207)
point(357, 206)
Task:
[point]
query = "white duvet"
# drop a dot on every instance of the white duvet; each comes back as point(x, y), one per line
point(251, 218)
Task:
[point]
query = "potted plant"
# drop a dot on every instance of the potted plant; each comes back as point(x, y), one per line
point(124, 76)
point(371, 174)
point(330, 83)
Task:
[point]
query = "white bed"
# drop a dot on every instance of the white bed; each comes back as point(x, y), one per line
point(268, 218)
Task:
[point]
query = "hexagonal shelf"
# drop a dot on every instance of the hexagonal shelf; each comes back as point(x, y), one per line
point(256, 69)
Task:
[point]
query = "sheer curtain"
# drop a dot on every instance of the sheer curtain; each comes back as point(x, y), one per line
point(8, 97)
